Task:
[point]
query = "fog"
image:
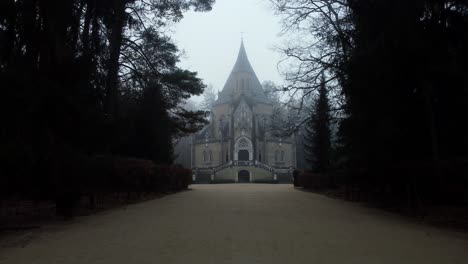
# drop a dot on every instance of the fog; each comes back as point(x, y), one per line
point(211, 40)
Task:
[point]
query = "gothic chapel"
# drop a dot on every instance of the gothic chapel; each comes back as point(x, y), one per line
point(236, 146)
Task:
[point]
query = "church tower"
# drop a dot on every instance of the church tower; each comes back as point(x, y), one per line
point(242, 81)
point(236, 146)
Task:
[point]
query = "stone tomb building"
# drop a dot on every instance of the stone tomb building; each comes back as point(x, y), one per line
point(236, 146)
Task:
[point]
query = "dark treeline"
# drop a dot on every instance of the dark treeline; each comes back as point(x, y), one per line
point(83, 78)
point(396, 75)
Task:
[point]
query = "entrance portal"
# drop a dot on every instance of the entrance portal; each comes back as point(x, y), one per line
point(243, 150)
point(244, 176)
point(243, 155)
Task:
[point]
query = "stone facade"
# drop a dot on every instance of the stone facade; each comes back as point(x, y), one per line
point(237, 134)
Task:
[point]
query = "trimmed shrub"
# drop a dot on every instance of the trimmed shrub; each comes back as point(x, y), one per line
point(296, 178)
point(107, 173)
point(110, 176)
point(311, 180)
point(221, 181)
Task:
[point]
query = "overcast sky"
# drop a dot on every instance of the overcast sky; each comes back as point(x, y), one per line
point(211, 40)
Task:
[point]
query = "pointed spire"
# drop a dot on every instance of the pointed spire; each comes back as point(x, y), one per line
point(242, 63)
point(242, 81)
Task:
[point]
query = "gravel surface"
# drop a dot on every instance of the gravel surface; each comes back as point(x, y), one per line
point(239, 223)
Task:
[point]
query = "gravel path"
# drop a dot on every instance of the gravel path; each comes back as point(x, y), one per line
point(241, 223)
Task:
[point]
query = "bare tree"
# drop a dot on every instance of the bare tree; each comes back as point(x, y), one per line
point(319, 44)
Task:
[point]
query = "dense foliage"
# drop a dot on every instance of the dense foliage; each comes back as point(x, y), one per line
point(317, 132)
point(86, 77)
point(395, 72)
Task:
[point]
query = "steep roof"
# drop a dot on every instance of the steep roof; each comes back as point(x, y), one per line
point(242, 63)
point(242, 82)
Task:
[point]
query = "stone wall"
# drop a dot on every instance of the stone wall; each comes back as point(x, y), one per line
point(274, 156)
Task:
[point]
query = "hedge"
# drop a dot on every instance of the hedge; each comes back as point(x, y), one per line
point(100, 175)
point(310, 180)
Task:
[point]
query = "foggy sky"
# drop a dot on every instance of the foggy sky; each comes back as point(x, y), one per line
point(211, 40)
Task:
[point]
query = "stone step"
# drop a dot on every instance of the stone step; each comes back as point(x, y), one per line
point(256, 174)
point(203, 178)
point(284, 178)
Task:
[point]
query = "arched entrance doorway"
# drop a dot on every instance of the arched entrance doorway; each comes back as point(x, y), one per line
point(243, 150)
point(243, 176)
point(243, 155)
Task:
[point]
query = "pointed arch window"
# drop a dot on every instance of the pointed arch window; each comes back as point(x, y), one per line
point(205, 158)
point(282, 155)
point(276, 155)
point(244, 144)
point(211, 156)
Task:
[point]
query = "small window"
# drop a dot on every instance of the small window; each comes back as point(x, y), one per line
point(227, 157)
point(211, 156)
point(282, 155)
point(276, 155)
point(260, 156)
point(205, 158)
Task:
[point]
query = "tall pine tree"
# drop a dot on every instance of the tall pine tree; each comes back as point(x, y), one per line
point(317, 131)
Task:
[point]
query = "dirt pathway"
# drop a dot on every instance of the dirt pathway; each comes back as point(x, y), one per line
point(241, 224)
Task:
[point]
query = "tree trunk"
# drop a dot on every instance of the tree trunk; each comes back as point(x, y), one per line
point(86, 26)
point(115, 41)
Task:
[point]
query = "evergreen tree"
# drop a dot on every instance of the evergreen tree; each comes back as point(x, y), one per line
point(209, 98)
point(399, 67)
point(317, 132)
point(86, 77)
point(159, 88)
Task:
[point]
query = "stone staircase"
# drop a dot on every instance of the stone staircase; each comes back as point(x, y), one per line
point(283, 175)
point(228, 173)
point(257, 174)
